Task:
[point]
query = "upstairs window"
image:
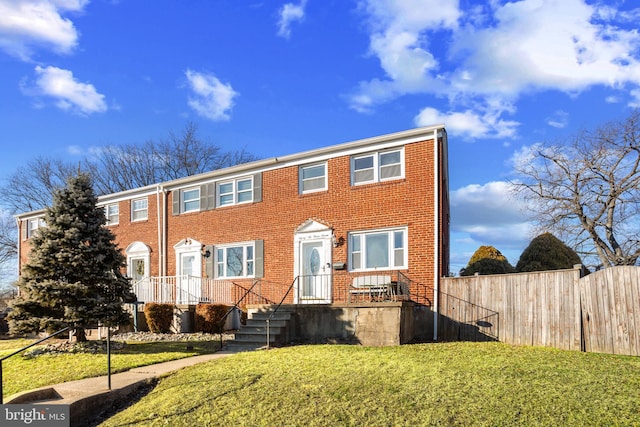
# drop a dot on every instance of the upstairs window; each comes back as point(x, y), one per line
point(235, 192)
point(191, 199)
point(312, 178)
point(377, 167)
point(112, 213)
point(139, 210)
point(378, 249)
point(33, 225)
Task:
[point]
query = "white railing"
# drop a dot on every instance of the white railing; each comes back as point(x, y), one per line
point(313, 289)
point(183, 290)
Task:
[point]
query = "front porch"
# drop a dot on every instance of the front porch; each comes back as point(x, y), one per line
point(382, 286)
point(385, 308)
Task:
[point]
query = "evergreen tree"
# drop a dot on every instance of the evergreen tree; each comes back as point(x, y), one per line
point(73, 276)
point(487, 260)
point(547, 252)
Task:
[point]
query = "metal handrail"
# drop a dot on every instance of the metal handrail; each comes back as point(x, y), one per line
point(405, 288)
point(278, 307)
point(23, 349)
point(235, 306)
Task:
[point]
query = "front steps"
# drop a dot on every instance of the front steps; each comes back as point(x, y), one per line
point(253, 335)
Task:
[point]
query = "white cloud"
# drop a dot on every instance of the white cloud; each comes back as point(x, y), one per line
point(635, 102)
point(469, 123)
point(70, 95)
point(411, 15)
point(489, 213)
point(496, 53)
point(398, 39)
point(559, 119)
point(534, 45)
point(210, 97)
point(26, 24)
point(290, 13)
point(75, 150)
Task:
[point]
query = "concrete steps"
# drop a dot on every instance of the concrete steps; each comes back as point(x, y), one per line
point(253, 335)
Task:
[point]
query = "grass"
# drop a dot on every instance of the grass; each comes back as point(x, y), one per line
point(450, 384)
point(22, 373)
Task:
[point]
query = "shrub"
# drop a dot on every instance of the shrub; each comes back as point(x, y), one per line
point(208, 317)
point(159, 317)
point(547, 252)
point(487, 260)
point(488, 266)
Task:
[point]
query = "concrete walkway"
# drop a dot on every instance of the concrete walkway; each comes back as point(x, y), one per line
point(90, 397)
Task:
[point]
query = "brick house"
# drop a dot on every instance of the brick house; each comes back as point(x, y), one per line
point(355, 226)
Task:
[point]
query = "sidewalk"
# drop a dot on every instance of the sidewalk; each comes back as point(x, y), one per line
point(89, 397)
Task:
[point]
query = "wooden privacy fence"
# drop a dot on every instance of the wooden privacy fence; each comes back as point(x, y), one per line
point(611, 310)
point(599, 312)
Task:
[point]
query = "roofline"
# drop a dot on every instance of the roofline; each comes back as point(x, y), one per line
point(411, 135)
point(270, 162)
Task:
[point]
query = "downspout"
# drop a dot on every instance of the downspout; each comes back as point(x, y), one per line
point(164, 232)
point(161, 228)
point(436, 222)
point(19, 245)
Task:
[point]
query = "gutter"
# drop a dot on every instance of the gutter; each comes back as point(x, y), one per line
point(436, 225)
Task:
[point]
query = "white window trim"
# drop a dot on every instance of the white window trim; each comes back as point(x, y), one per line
point(235, 191)
point(376, 166)
point(133, 209)
point(33, 225)
point(301, 181)
point(183, 208)
point(391, 257)
point(106, 213)
point(244, 245)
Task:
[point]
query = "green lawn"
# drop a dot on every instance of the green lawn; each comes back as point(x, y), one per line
point(20, 373)
point(451, 384)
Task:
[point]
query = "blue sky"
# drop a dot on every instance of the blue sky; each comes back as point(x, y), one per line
point(278, 77)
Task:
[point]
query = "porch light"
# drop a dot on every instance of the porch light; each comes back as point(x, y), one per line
point(206, 253)
point(337, 242)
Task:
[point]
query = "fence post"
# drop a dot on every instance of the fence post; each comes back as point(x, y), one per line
point(580, 271)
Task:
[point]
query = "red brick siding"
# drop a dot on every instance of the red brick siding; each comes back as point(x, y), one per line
point(406, 202)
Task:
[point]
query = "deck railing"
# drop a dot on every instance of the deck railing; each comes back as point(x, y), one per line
point(183, 290)
point(318, 289)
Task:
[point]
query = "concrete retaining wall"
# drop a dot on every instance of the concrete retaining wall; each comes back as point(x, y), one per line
point(379, 324)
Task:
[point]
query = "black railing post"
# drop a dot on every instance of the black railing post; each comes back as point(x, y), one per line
point(109, 357)
point(296, 280)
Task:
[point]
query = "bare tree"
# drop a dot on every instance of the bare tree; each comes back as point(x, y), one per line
point(31, 187)
point(588, 190)
point(118, 168)
point(113, 169)
point(8, 250)
point(124, 167)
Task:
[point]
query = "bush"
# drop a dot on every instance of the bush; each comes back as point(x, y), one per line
point(487, 260)
point(547, 252)
point(208, 317)
point(488, 266)
point(159, 317)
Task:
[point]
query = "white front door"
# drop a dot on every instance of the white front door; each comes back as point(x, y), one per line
point(189, 271)
point(315, 272)
point(187, 262)
point(137, 269)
